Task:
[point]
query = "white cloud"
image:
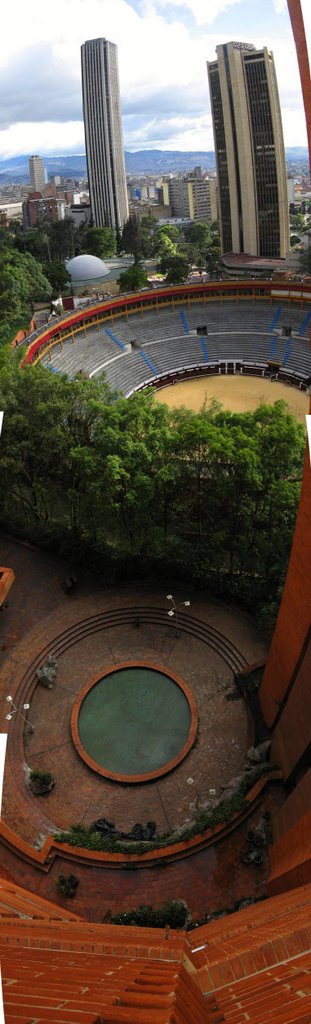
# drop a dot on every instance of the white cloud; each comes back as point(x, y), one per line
point(204, 12)
point(280, 6)
point(162, 64)
point(47, 138)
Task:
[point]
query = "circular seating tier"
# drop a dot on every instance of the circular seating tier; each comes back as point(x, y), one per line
point(149, 344)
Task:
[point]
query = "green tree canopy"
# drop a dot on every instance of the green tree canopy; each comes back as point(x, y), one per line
point(171, 231)
point(6, 239)
point(165, 248)
point(133, 278)
point(199, 234)
point(62, 239)
point(131, 238)
point(99, 242)
point(148, 227)
point(58, 275)
point(177, 267)
point(212, 496)
point(22, 282)
point(297, 221)
point(36, 241)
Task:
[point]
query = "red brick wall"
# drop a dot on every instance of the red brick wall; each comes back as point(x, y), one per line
point(291, 853)
point(290, 858)
point(292, 733)
point(295, 612)
point(294, 808)
point(6, 579)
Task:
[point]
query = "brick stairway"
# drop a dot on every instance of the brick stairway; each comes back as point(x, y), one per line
point(57, 969)
point(18, 902)
point(281, 995)
point(259, 936)
point(66, 971)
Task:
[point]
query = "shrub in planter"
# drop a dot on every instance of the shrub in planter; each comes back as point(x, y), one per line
point(41, 782)
point(173, 914)
point(68, 885)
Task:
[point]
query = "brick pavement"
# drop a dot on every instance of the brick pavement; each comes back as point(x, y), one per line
point(38, 613)
point(209, 880)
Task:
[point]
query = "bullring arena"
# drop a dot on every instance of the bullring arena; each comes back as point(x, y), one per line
point(162, 337)
point(192, 333)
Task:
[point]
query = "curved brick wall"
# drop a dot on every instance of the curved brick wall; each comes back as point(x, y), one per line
point(285, 691)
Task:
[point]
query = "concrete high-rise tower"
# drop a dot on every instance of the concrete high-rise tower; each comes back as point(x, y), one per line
point(36, 173)
point(103, 134)
point(249, 151)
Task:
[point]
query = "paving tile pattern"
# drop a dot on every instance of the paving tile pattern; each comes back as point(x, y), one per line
point(37, 615)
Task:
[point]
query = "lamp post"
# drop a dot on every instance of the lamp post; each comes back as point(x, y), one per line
point(174, 609)
point(16, 711)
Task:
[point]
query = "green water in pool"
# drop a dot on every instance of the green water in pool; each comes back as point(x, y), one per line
point(134, 721)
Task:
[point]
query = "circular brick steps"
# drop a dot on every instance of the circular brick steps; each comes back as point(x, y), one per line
point(87, 627)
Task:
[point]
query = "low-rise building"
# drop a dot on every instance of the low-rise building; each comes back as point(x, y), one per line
point(80, 213)
point(241, 265)
point(37, 209)
point(192, 197)
point(10, 211)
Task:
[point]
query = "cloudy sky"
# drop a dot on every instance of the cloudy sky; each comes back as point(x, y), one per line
point(163, 48)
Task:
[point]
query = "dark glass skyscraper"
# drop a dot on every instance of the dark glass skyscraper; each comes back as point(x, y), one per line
point(103, 133)
point(249, 151)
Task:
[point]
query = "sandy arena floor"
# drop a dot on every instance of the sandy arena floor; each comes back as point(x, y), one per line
point(238, 394)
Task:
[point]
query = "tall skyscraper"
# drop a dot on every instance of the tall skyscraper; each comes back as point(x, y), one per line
point(36, 173)
point(249, 151)
point(103, 133)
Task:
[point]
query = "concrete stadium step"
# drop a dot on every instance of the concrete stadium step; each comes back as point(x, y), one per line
point(95, 348)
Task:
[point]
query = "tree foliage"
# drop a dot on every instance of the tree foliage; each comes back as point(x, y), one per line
point(22, 282)
point(176, 267)
point(298, 223)
point(58, 275)
point(197, 243)
point(131, 239)
point(211, 495)
point(133, 279)
point(99, 242)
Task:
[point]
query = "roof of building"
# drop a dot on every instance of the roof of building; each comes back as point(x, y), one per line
point(86, 268)
point(245, 259)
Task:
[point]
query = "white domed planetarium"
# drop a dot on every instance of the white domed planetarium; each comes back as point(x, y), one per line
point(86, 270)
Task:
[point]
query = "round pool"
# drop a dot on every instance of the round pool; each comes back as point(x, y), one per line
point(134, 722)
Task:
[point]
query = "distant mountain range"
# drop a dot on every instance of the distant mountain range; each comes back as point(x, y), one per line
point(153, 161)
point(145, 161)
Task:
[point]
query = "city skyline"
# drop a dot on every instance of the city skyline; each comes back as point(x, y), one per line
point(165, 102)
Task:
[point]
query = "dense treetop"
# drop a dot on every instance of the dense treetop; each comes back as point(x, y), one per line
point(211, 496)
